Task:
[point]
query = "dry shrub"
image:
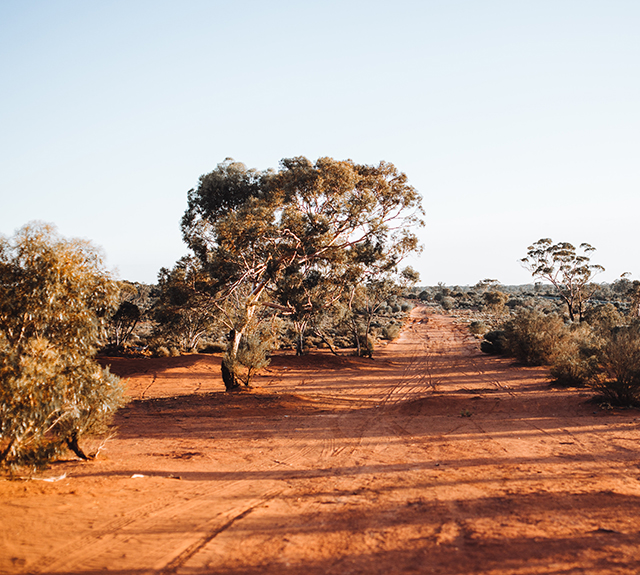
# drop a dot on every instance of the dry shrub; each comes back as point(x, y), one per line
point(391, 331)
point(495, 342)
point(478, 327)
point(619, 366)
point(575, 362)
point(54, 296)
point(533, 337)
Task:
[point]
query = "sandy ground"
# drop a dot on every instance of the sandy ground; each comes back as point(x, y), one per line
point(431, 458)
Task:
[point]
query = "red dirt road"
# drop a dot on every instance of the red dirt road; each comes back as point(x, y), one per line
point(431, 458)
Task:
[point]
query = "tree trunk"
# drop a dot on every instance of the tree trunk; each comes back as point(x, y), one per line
point(300, 328)
point(4, 454)
point(229, 376)
point(72, 444)
point(326, 340)
point(570, 304)
point(369, 349)
point(356, 333)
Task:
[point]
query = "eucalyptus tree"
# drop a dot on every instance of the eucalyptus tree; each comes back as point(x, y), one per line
point(184, 311)
point(55, 296)
point(122, 323)
point(251, 229)
point(567, 268)
point(367, 300)
point(308, 296)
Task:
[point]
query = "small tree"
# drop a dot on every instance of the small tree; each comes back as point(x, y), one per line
point(185, 311)
point(367, 300)
point(122, 323)
point(566, 269)
point(253, 354)
point(307, 296)
point(54, 297)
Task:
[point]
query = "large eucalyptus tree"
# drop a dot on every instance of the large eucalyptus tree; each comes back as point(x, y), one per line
point(253, 230)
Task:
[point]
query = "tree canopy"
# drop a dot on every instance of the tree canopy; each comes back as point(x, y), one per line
point(568, 270)
point(328, 219)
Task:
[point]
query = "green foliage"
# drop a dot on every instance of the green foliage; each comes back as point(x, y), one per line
point(265, 237)
point(253, 352)
point(365, 304)
point(122, 323)
point(185, 312)
point(54, 296)
point(132, 321)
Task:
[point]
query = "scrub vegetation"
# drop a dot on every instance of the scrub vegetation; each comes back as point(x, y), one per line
point(54, 298)
point(307, 256)
point(587, 333)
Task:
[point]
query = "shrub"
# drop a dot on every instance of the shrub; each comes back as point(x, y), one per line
point(391, 331)
point(367, 345)
point(215, 347)
point(54, 296)
point(533, 337)
point(254, 350)
point(477, 327)
point(603, 318)
point(447, 303)
point(162, 351)
point(494, 343)
point(495, 300)
point(619, 362)
point(574, 361)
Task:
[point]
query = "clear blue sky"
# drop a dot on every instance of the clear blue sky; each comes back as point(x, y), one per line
point(516, 120)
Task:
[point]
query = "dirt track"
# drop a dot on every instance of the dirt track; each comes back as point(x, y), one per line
point(432, 458)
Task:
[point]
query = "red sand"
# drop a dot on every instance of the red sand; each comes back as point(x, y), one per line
point(431, 458)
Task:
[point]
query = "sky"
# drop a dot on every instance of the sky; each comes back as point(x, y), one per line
point(515, 120)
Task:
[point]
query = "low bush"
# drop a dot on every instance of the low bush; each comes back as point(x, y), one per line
point(574, 362)
point(391, 331)
point(478, 327)
point(619, 363)
point(447, 303)
point(214, 347)
point(495, 343)
point(533, 337)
